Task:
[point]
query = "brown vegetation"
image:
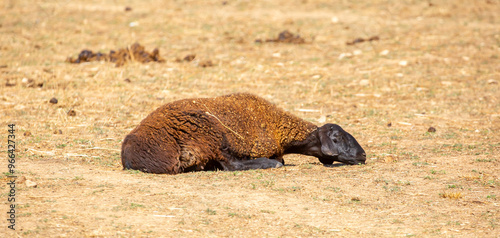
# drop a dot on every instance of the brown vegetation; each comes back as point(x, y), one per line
point(135, 52)
point(285, 37)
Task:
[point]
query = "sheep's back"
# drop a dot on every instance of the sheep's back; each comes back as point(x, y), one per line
point(251, 125)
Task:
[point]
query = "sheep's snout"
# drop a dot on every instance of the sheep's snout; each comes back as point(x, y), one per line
point(339, 145)
point(354, 153)
point(361, 158)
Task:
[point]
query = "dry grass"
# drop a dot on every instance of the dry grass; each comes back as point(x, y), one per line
point(436, 64)
point(451, 195)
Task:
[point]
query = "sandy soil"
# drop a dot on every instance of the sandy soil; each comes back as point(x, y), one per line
point(428, 64)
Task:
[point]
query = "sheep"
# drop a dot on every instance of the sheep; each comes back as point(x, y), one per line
point(232, 132)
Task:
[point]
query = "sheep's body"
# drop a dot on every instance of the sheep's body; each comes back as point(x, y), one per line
point(190, 134)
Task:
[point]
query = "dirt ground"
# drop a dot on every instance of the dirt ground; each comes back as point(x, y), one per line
point(420, 64)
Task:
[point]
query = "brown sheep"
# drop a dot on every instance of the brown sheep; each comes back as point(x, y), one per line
point(233, 132)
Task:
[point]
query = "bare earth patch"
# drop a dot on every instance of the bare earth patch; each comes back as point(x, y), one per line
point(433, 65)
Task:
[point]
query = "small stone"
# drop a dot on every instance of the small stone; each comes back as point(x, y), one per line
point(205, 63)
point(364, 82)
point(431, 129)
point(53, 100)
point(71, 113)
point(403, 63)
point(29, 83)
point(10, 83)
point(389, 124)
point(189, 57)
point(57, 132)
point(357, 52)
point(127, 80)
point(128, 9)
point(27, 133)
point(30, 184)
point(345, 55)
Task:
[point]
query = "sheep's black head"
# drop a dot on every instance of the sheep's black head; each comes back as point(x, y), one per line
point(338, 145)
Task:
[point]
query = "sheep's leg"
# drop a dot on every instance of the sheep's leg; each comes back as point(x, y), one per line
point(279, 159)
point(259, 163)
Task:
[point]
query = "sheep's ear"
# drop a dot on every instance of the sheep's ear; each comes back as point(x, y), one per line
point(327, 145)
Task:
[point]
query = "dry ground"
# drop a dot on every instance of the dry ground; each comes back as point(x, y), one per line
point(436, 64)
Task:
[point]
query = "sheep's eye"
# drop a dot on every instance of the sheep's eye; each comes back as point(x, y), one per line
point(336, 135)
point(335, 140)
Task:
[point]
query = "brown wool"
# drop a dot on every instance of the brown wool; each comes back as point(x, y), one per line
point(195, 129)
